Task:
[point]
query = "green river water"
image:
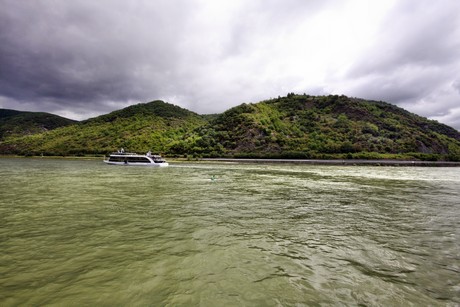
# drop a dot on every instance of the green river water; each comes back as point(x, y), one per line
point(82, 233)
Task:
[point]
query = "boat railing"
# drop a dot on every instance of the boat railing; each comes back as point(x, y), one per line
point(123, 153)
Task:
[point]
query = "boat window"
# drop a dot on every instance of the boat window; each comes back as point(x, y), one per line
point(138, 160)
point(129, 159)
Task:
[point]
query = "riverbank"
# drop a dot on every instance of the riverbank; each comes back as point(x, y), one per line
point(350, 162)
point(340, 162)
point(54, 157)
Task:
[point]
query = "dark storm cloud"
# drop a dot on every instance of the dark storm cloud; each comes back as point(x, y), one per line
point(85, 53)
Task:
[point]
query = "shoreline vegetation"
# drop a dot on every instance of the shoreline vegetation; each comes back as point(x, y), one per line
point(294, 127)
point(332, 162)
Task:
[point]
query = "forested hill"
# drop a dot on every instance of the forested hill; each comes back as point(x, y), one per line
point(142, 127)
point(295, 126)
point(19, 123)
point(303, 126)
point(153, 109)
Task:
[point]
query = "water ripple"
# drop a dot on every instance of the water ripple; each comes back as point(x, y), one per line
point(84, 233)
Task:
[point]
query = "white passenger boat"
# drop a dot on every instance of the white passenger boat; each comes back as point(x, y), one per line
point(131, 158)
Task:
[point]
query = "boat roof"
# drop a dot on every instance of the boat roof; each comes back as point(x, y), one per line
point(132, 154)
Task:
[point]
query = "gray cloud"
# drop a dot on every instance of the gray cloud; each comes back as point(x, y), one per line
point(415, 33)
point(83, 54)
point(415, 59)
point(83, 58)
point(456, 85)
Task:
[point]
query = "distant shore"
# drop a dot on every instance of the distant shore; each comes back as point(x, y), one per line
point(350, 162)
point(340, 162)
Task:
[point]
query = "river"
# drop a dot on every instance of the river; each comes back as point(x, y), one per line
point(76, 232)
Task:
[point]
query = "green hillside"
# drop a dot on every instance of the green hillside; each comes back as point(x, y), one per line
point(303, 126)
point(142, 127)
point(19, 123)
point(295, 126)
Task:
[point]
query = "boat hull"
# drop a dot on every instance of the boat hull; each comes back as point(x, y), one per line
point(163, 164)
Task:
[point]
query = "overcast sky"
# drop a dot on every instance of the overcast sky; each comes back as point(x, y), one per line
point(82, 58)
